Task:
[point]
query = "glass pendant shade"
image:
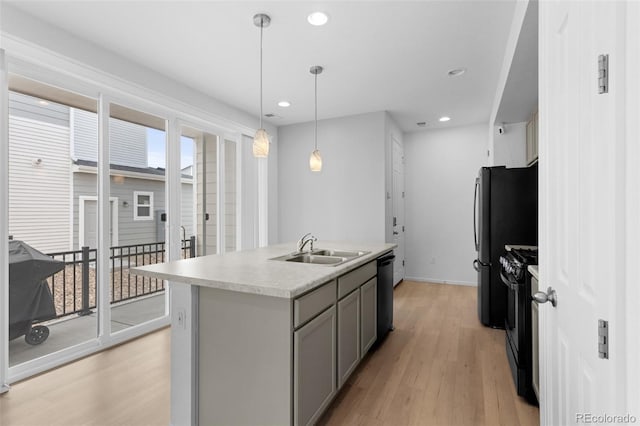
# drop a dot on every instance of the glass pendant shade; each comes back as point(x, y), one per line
point(261, 144)
point(315, 161)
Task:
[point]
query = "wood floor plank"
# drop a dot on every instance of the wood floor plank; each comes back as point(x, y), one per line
point(439, 367)
point(124, 385)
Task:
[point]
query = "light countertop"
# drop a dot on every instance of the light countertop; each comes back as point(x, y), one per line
point(534, 271)
point(253, 271)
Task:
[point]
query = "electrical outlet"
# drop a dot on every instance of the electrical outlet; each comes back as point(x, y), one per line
point(182, 319)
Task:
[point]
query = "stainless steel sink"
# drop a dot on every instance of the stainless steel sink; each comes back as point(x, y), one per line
point(312, 258)
point(338, 253)
point(328, 257)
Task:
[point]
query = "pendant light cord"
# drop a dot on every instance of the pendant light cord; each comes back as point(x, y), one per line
point(316, 115)
point(261, 28)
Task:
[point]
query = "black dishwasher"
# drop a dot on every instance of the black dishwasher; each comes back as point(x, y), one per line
point(385, 295)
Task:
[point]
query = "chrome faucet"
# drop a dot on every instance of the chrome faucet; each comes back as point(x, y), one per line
point(306, 238)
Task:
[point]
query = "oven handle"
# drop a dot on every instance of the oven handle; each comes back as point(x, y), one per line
point(508, 282)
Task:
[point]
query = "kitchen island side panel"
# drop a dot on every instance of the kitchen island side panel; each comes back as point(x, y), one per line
point(244, 358)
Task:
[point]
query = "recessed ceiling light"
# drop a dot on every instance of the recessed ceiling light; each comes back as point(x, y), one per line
point(444, 118)
point(456, 72)
point(317, 18)
point(43, 102)
point(284, 104)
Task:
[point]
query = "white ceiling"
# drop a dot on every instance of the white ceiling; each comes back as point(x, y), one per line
point(380, 55)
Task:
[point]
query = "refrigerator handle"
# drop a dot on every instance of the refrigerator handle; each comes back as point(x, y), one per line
point(475, 216)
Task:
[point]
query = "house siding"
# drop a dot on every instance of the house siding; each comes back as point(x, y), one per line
point(39, 194)
point(130, 231)
point(128, 140)
point(29, 107)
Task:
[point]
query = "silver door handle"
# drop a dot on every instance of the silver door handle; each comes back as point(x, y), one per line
point(549, 296)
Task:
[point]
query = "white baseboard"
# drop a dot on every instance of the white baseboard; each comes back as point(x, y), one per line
point(436, 281)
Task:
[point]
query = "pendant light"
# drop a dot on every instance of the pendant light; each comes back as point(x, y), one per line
point(261, 139)
point(315, 160)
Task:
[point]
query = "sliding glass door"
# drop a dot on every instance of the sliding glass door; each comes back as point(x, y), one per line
point(51, 261)
point(138, 211)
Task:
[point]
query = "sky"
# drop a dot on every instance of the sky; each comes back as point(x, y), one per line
point(156, 147)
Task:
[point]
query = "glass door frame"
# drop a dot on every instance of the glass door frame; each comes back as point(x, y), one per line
point(106, 336)
point(4, 226)
point(39, 65)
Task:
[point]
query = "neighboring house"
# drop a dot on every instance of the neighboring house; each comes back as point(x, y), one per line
point(53, 186)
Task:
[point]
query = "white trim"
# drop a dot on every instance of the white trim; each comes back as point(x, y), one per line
point(33, 60)
point(632, 292)
point(239, 165)
point(4, 226)
point(221, 195)
point(72, 137)
point(104, 182)
point(114, 219)
point(136, 205)
point(439, 281)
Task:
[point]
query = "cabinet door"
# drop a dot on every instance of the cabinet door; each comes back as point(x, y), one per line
point(348, 335)
point(314, 371)
point(368, 317)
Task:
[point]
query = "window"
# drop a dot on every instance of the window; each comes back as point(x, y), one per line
point(143, 205)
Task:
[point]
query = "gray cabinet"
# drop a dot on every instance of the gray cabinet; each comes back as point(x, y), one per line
point(368, 324)
point(348, 335)
point(314, 367)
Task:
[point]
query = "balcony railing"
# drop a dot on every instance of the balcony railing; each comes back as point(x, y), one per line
point(74, 288)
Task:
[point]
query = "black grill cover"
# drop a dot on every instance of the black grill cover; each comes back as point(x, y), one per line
point(29, 295)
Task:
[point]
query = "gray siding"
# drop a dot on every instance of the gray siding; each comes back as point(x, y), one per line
point(25, 106)
point(39, 192)
point(128, 141)
point(130, 231)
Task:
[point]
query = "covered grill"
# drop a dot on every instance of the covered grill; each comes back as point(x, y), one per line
point(30, 298)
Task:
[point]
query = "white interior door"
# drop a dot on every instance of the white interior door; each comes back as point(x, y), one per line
point(581, 211)
point(398, 210)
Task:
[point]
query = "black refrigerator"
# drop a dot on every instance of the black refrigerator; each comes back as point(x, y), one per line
point(505, 212)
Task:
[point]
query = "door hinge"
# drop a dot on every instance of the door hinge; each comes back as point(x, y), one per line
point(402, 228)
point(603, 74)
point(603, 339)
point(403, 263)
point(402, 194)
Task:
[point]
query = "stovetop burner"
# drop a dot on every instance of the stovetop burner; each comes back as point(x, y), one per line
point(526, 256)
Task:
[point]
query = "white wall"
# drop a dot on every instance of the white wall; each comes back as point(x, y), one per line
point(346, 200)
point(510, 148)
point(440, 171)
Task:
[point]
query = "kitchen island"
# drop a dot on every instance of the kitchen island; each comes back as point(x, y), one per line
point(272, 341)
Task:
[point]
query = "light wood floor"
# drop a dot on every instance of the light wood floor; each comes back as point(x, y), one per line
point(125, 385)
point(439, 367)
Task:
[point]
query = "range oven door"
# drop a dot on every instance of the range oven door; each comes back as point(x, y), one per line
point(511, 319)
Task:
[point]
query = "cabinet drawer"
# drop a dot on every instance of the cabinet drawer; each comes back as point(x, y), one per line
point(311, 304)
point(354, 279)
